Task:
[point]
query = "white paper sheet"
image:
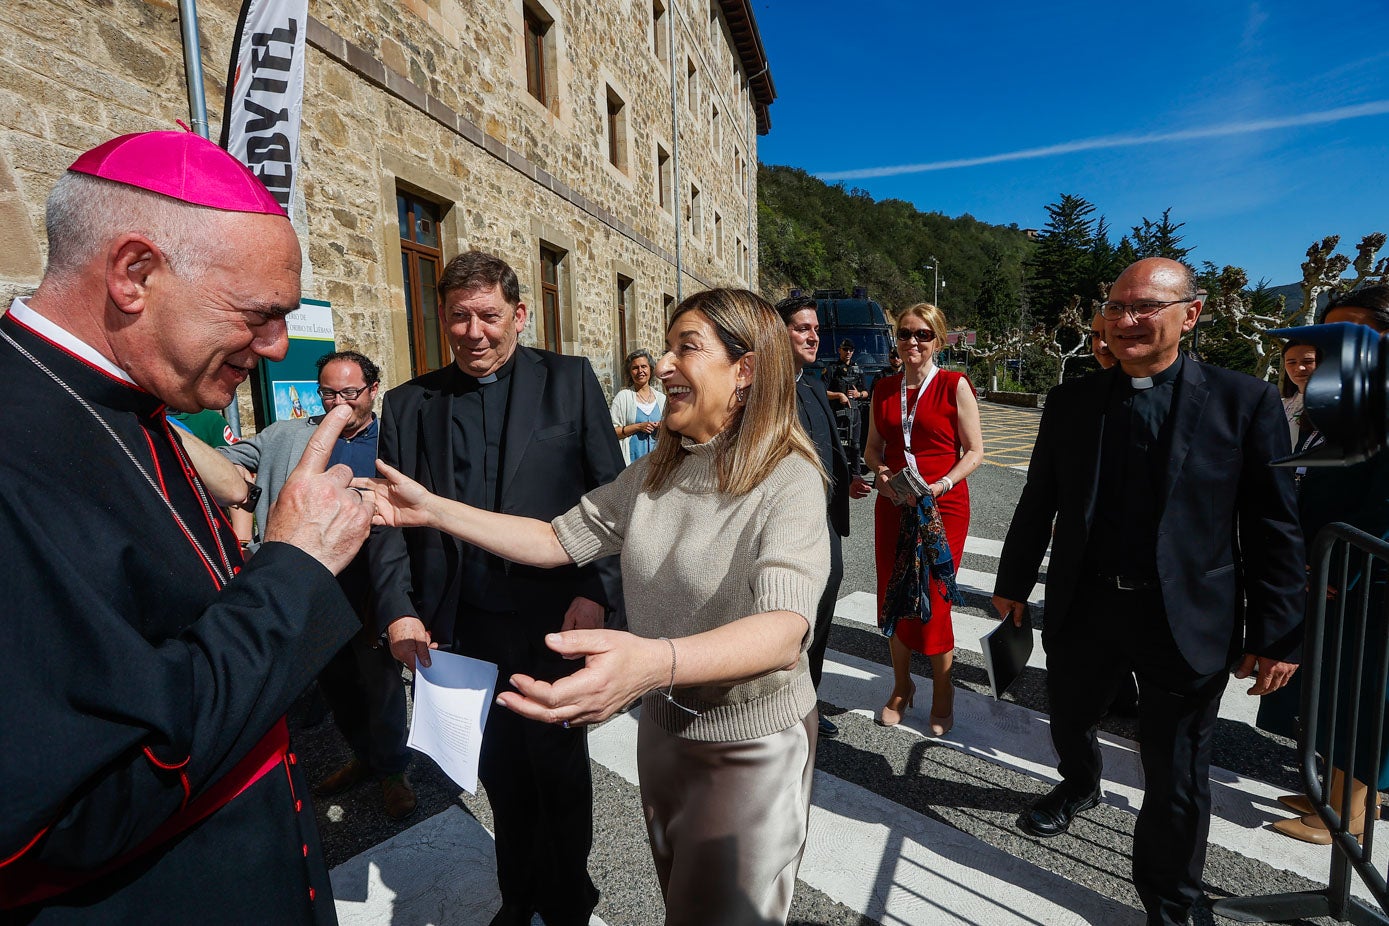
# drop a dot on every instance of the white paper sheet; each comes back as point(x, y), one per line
point(452, 698)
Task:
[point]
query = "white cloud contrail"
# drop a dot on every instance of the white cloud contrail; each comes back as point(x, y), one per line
point(1359, 111)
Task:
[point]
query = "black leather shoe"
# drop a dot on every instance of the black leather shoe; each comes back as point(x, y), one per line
point(1052, 814)
point(828, 727)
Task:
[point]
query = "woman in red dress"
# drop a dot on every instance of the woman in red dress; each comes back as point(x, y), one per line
point(942, 417)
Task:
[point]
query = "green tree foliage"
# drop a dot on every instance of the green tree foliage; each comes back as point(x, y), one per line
point(1160, 239)
point(816, 236)
point(1065, 260)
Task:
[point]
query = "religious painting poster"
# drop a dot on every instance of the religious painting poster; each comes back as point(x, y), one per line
point(297, 399)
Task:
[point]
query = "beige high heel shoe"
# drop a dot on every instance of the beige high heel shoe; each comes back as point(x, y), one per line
point(896, 706)
point(1310, 828)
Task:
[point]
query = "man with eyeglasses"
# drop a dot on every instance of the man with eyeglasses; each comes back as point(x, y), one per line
point(362, 683)
point(1176, 555)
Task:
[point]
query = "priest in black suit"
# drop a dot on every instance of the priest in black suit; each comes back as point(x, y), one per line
point(813, 407)
point(525, 432)
point(1176, 555)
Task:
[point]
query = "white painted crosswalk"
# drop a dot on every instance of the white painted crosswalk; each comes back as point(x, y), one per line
point(888, 863)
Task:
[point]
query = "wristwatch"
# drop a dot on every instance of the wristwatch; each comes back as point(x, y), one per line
point(252, 496)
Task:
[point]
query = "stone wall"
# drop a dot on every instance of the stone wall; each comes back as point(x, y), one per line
point(428, 96)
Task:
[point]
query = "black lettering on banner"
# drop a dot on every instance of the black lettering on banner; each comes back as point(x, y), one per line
point(261, 59)
point(268, 148)
point(269, 85)
point(269, 118)
point(269, 152)
point(277, 183)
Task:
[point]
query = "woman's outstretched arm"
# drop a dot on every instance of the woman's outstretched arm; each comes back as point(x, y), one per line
point(403, 502)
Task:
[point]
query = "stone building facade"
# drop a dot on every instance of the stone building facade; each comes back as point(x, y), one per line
point(605, 148)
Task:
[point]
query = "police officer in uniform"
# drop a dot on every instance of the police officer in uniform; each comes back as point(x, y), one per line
point(845, 387)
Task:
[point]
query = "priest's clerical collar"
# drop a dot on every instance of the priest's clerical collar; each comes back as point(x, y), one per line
point(501, 372)
point(1157, 379)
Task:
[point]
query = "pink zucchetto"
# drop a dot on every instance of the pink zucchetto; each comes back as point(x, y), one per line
point(182, 165)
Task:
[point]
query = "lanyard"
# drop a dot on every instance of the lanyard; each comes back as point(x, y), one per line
point(909, 419)
point(222, 571)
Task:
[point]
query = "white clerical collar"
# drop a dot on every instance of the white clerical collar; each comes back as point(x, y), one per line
point(489, 378)
point(1141, 382)
point(51, 331)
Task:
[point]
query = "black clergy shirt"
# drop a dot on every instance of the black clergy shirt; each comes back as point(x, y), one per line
point(479, 422)
point(1133, 455)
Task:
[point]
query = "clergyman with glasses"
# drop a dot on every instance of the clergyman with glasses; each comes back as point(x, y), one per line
point(1147, 473)
point(362, 683)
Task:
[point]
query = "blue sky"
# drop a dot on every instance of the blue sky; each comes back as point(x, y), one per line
point(1265, 126)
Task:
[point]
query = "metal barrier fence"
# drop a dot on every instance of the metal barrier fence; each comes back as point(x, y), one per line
point(1343, 657)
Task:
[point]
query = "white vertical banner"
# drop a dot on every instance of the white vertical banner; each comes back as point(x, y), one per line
point(265, 92)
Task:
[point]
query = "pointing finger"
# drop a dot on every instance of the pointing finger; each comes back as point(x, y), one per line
point(320, 447)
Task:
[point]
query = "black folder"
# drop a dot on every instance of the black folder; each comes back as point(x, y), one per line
point(1006, 649)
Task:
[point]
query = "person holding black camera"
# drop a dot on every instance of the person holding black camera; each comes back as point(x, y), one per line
point(1357, 495)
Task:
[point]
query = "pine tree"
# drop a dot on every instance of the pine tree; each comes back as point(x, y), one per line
point(1061, 266)
point(1160, 239)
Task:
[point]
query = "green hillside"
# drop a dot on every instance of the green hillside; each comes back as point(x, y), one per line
point(816, 236)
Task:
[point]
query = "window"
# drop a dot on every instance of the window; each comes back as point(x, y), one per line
point(420, 260)
point(550, 261)
point(691, 86)
point(718, 128)
point(660, 35)
point(663, 178)
point(741, 252)
point(738, 170)
point(667, 303)
point(626, 314)
point(714, 22)
point(537, 63)
point(617, 130)
point(718, 234)
point(696, 213)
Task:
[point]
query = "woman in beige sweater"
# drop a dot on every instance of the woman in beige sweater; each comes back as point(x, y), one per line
point(721, 594)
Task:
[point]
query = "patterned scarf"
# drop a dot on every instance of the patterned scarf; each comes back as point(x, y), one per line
point(922, 554)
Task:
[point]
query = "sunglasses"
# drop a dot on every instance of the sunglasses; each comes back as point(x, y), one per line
point(921, 336)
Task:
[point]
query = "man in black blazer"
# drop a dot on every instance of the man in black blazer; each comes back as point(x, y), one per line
point(813, 407)
point(1176, 556)
point(525, 432)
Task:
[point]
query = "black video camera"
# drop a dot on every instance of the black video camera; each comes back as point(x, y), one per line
point(1348, 394)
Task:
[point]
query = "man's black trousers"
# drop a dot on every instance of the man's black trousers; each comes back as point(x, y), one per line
point(1109, 633)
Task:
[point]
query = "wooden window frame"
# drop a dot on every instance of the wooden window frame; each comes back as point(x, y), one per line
point(551, 309)
point(412, 252)
point(536, 32)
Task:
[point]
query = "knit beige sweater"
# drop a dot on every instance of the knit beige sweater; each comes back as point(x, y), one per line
point(694, 558)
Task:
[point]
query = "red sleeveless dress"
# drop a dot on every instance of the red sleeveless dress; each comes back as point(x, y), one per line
point(936, 447)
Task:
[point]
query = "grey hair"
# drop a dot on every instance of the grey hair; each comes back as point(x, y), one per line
point(627, 365)
point(84, 213)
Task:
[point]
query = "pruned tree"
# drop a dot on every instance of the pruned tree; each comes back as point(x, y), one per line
point(1248, 315)
point(991, 347)
point(1075, 318)
point(1324, 271)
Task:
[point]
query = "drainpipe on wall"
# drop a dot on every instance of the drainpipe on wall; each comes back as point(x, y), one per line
point(675, 191)
point(197, 116)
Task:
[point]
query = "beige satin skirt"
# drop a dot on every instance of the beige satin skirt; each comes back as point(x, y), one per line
point(727, 822)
